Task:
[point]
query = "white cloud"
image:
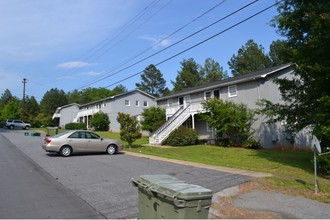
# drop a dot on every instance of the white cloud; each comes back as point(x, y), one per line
point(157, 41)
point(91, 73)
point(73, 65)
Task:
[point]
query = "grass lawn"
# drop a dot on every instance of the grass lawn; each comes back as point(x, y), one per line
point(293, 170)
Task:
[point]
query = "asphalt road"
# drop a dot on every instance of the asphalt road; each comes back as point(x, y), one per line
point(104, 181)
point(27, 191)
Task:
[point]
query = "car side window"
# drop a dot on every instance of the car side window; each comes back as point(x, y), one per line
point(90, 135)
point(78, 134)
point(94, 136)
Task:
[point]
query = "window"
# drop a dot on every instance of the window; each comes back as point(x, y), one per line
point(127, 103)
point(137, 103)
point(180, 100)
point(169, 102)
point(207, 95)
point(145, 104)
point(78, 134)
point(208, 127)
point(90, 135)
point(188, 123)
point(216, 93)
point(232, 91)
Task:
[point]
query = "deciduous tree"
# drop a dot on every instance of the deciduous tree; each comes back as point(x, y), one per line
point(11, 110)
point(226, 117)
point(51, 100)
point(32, 110)
point(130, 129)
point(153, 118)
point(305, 24)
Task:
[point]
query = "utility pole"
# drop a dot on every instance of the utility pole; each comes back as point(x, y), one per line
point(23, 100)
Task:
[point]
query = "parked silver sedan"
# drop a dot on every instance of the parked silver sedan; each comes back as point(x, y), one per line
point(69, 142)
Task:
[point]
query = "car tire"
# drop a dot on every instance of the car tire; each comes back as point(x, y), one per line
point(112, 149)
point(65, 151)
point(27, 127)
point(11, 127)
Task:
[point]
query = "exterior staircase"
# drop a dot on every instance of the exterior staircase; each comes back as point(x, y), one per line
point(178, 118)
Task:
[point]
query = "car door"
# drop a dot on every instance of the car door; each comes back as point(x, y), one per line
point(95, 142)
point(78, 141)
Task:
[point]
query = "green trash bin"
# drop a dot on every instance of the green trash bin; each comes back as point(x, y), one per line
point(166, 197)
point(52, 131)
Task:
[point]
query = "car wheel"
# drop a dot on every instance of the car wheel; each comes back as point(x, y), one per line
point(65, 151)
point(27, 127)
point(112, 149)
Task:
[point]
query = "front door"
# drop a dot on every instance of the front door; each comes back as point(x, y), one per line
point(186, 100)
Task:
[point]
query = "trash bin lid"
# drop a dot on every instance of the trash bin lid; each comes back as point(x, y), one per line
point(147, 181)
point(171, 187)
point(182, 191)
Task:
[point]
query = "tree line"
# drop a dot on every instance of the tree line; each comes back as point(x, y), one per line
point(250, 57)
point(305, 27)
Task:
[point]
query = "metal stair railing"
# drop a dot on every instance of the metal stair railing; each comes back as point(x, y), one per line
point(175, 121)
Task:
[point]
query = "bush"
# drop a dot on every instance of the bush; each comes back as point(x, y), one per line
point(153, 118)
point(182, 137)
point(229, 118)
point(223, 142)
point(252, 143)
point(324, 165)
point(75, 126)
point(100, 121)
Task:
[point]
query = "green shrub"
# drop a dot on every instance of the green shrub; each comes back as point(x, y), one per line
point(153, 118)
point(324, 165)
point(230, 119)
point(75, 126)
point(182, 137)
point(252, 143)
point(100, 121)
point(223, 142)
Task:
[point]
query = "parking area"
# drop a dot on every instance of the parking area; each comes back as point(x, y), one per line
point(104, 181)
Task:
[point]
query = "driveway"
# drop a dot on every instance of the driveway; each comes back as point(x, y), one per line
point(104, 181)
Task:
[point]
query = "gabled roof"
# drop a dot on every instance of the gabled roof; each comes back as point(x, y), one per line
point(118, 96)
point(230, 81)
point(68, 105)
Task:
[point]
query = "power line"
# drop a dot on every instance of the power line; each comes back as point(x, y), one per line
point(166, 48)
point(103, 44)
point(201, 42)
point(157, 43)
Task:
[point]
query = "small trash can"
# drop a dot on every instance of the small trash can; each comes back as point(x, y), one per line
point(52, 131)
point(166, 197)
point(35, 134)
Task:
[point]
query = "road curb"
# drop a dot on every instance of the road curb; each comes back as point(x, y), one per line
point(206, 166)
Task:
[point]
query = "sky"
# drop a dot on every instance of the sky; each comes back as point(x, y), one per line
point(76, 44)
